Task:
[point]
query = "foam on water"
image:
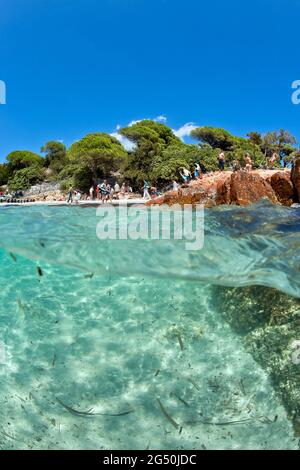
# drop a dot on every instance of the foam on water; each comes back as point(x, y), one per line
point(111, 342)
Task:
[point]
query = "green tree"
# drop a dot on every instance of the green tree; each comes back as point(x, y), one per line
point(100, 153)
point(151, 139)
point(255, 138)
point(4, 174)
point(242, 147)
point(25, 178)
point(281, 142)
point(20, 159)
point(216, 137)
point(55, 155)
point(168, 165)
point(236, 148)
point(76, 175)
point(174, 157)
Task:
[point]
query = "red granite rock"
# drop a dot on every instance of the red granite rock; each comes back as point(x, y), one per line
point(295, 177)
point(247, 188)
point(283, 188)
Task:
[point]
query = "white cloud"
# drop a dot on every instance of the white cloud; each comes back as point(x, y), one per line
point(161, 118)
point(185, 130)
point(127, 144)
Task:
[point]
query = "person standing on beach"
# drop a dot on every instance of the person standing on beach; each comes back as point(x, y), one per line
point(221, 161)
point(70, 196)
point(91, 193)
point(103, 191)
point(117, 190)
point(146, 187)
point(77, 196)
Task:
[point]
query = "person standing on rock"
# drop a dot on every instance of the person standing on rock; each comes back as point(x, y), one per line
point(197, 171)
point(249, 163)
point(221, 161)
point(175, 185)
point(185, 175)
point(273, 159)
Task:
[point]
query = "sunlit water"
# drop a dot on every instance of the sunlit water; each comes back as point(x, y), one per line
point(125, 328)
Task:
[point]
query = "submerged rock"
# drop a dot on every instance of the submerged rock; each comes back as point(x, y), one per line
point(270, 323)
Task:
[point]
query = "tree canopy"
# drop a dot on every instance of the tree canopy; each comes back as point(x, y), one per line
point(151, 139)
point(100, 153)
point(55, 155)
point(216, 137)
point(4, 173)
point(27, 177)
point(20, 159)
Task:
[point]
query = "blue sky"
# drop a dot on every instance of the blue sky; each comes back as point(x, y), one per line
point(78, 66)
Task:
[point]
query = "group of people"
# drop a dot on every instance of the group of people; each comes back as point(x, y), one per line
point(106, 192)
point(73, 195)
point(236, 164)
point(187, 175)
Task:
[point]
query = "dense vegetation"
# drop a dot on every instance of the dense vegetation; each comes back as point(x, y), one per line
point(157, 155)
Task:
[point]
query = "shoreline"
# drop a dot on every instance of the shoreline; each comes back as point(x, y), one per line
point(96, 203)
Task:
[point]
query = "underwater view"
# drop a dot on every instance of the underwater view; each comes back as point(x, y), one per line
point(141, 344)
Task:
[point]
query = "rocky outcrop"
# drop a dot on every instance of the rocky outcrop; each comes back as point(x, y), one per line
point(269, 324)
point(223, 191)
point(241, 188)
point(283, 188)
point(246, 188)
point(295, 177)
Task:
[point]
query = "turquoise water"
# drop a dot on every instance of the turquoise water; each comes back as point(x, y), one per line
point(124, 328)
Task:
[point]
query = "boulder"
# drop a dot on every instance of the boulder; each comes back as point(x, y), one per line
point(222, 191)
point(246, 188)
point(295, 177)
point(283, 188)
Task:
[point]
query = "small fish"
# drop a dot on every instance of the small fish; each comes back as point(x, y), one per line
point(89, 413)
point(54, 360)
point(180, 342)
point(89, 276)
point(39, 271)
point(166, 414)
point(228, 423)
point(181, 399)
point(13, 257)
point(42, 243)
point(157, 372)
